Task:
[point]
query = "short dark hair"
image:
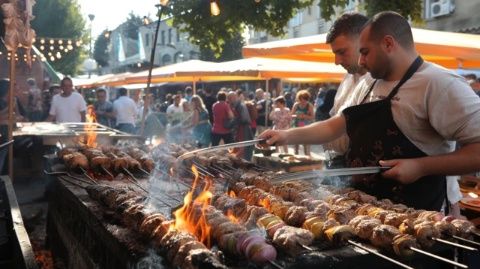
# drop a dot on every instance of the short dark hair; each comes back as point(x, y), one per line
point(391, 23)
point(65, 79)
point(4, 86)
point(350, 24)
point(101, 90)
point(188, 89)
point(221, 96)
point(122, 92)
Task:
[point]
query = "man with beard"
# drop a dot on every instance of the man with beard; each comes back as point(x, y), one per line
point(406, 120)
point(343, 38)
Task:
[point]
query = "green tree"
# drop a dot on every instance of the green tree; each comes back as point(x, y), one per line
point(131, 26)
point(211, 33)
point(100, 49)
point(411, 9)
point(61, 19)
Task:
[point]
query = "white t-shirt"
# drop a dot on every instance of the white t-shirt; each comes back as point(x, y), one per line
point(68, 109)
point(175, 109)
point(432, 109)
point(125, 110)
point(344, 98)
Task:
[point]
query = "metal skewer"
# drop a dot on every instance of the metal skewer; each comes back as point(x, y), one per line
point(107, 172)
point(438, 257)
point(135, 182)
point(374, 252)
point(276, 265)
point(73, 183)
point(454, 244)
point(86, 175)
point(466, 240)
point(144, 171)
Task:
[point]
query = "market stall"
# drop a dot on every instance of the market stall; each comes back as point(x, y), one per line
point(451, 50)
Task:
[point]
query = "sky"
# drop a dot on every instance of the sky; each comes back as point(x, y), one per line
point(111, 13)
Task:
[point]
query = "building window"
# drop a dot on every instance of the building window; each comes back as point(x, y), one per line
point(163, 37)
point(296, 20)
point(170, 36)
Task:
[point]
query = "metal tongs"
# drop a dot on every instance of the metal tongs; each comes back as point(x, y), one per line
point(313, 174)
point(220, 147)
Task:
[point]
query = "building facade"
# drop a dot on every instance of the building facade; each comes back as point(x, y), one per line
point(128, 54)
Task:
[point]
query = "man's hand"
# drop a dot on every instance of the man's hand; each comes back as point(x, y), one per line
point(275, 137)
point(405, 171)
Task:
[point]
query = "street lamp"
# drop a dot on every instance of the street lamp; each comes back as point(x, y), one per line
point(90, 63)
point(160, 8)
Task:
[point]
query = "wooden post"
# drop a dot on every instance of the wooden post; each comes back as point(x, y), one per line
point(11, 104)
point(266, 103)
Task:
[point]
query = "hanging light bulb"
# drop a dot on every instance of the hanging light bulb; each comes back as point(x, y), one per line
point(58, 55)
point(51, 47)
point(214, 9)
point(42, 41)
point(61, 47)
point(60, 42)
point(52, 41)
point(66, 50)
point(52, 58)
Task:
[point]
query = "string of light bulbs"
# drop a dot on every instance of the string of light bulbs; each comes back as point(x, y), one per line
point(56, 48)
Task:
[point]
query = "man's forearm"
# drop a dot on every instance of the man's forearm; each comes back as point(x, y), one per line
point(318, 132)
point(463, 161)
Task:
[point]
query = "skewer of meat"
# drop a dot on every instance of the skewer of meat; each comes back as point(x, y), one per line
point(141, 156)
point(181, 249)
point(291, 239)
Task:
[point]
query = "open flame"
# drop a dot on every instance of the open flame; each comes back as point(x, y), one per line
point(232, 217)
point(90, 129)
point(191, 216)
point(265, 203)
point(232, 194)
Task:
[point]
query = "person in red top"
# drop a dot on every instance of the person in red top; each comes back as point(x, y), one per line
point(221, 112)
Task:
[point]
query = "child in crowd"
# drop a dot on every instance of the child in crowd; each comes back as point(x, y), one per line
point(281, 117)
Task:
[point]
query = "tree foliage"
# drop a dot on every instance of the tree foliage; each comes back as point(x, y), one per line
point(131, 26)
point(100, 50)
point(411, 9)
point(61, 19)
point(213, 32)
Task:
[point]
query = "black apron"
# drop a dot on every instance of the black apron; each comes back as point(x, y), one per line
point(375, 136)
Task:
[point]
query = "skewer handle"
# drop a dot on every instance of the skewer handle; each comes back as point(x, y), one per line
point(374, 252)
point(454, 244)
point(466, 240)
point(461, 265)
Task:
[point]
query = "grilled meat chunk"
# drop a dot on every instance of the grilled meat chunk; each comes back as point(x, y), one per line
point(383, 235)
point(292, 239)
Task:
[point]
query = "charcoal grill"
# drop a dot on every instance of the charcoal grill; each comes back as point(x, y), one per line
point(15, 248)
point(86, 234)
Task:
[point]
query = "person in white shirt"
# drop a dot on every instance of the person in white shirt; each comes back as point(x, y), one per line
point(175, 110)
point(67, 106)
point(125, 111)
point(343, 38)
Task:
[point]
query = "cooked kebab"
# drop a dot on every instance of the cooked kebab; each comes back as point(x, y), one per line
point(75, 161)
point(141, 156)
point(170, 241)
point(61, 153)
point(98, 161)
point(290, 239)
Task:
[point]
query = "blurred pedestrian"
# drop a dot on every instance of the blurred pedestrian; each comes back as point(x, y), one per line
point(281, 117)
point(302, 113)
point(242, 130)
point(202, 129)
point(67, 106)
point(103, 108)
point(35, 104)
point(125, 111)
point(222, 116)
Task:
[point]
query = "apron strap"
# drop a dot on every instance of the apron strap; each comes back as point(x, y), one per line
point(410, 71)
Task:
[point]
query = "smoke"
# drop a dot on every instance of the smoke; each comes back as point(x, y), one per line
point(151, 261)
